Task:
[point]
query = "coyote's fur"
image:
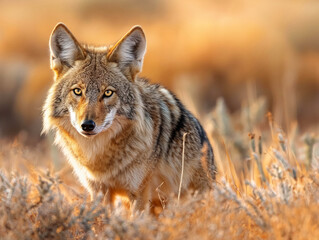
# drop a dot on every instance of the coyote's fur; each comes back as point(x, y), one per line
point(121, 134)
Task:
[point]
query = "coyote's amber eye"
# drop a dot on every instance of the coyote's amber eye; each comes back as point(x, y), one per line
point(108, 93)
point(77, 91)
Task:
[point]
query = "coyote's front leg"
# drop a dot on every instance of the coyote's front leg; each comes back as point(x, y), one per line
point(96, 188)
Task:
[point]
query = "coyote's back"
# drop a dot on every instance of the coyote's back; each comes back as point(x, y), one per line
point(121, 134)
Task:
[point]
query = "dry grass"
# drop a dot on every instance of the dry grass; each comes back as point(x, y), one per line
point(267, 188)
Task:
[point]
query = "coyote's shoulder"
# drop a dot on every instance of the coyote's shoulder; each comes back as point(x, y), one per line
point(121, 134)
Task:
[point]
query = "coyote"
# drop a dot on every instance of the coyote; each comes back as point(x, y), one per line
point(121, 134)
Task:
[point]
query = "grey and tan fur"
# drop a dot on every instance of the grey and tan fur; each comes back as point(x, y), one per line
point(121, 134)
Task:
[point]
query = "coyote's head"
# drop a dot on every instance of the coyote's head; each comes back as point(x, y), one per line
point(93, 86)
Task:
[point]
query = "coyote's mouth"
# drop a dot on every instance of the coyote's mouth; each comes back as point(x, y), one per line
point(86, 134)
point(85, 131)
point(96, 132)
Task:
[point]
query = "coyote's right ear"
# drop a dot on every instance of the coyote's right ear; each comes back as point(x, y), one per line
point(64, 48)
point(129, 52)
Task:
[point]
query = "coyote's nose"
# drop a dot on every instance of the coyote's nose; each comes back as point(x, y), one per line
point(88, 125)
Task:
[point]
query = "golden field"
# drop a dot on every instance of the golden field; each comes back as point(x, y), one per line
point(249, 70)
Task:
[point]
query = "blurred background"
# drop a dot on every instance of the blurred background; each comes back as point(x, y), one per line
point(203, 50)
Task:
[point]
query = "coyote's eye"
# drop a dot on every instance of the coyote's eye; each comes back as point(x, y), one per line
point(77, 91)
point(108, 93)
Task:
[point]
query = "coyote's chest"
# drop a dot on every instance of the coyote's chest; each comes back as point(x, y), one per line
point(104, 156)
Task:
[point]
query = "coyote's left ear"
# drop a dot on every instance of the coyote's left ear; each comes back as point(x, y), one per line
point(64, 48)
point(129, 52)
